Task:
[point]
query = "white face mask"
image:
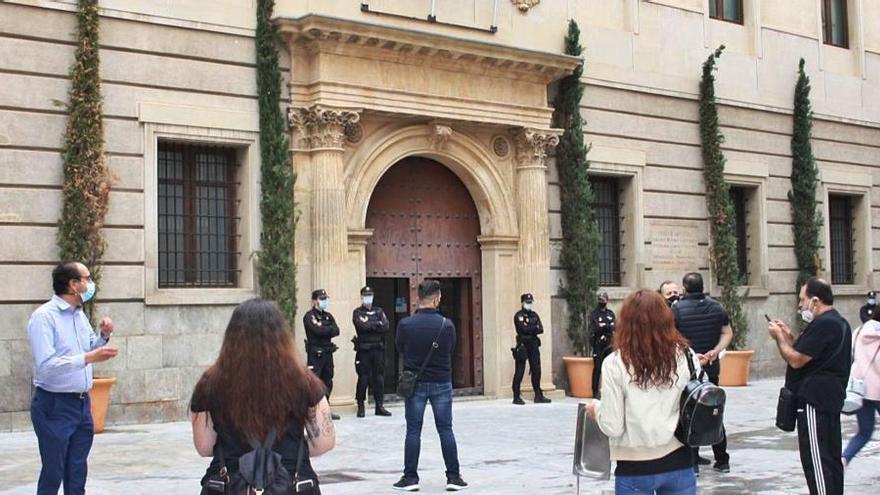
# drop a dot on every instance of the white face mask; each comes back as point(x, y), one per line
point(368, 300)
point(527, 306)
point(807, 314)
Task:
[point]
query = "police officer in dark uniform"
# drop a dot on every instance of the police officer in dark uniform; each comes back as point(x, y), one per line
point(528, 348)
point(867, 311)
point(371, 325)
point(602, 322)
point(320, 329)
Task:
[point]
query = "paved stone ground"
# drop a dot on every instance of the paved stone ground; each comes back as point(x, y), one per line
point(504, 449)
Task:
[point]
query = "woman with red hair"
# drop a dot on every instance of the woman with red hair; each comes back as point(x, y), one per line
point(642, 381)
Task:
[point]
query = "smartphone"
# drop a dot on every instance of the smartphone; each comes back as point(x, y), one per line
point(767, 318)
point(304, 486)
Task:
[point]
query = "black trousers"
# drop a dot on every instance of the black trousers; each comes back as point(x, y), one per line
point(720, 448)
point(598, 357)
point(819, 444)
point(321, 363)
point(533, 356)
point(370, 367)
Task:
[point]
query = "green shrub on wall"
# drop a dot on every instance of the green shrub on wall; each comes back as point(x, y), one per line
point(579, 255)
point(276, 266)
point(86, 186)
point(722, 218)
point(806, 218)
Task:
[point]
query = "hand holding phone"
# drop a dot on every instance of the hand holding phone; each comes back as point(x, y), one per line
point(767, 318)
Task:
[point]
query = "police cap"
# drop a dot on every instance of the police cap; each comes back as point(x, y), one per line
point(526, 298)
point(367, 291)
point(319, 294)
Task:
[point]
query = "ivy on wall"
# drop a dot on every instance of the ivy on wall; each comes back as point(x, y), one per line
point(807, 220)
point(721, 213)
point(579, 255)
point(276, 265)
point(86, 186)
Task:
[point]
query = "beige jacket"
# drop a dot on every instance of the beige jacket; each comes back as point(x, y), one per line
point(640, 424)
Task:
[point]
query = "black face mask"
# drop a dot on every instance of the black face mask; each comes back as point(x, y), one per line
point(672, 300)
point(603, 305)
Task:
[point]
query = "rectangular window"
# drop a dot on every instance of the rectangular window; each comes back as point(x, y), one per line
point(607, 207)
point(840, 211)
point(726, 10)
point(197, 216)
point(835, 25)
point(739, 197)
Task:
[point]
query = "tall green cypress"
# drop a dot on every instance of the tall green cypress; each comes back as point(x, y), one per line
point(806, 218)
point(721, 213)
point(86, 187)
point(580, 234)
point(276, 265)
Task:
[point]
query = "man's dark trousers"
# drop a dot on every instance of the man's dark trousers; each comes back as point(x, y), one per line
point(819, 444)
point(720, 448)
point(64, 428)
point(321, 362)
point(371, 370)
point(533, 355)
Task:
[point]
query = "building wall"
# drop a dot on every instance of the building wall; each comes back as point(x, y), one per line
point(177, 69)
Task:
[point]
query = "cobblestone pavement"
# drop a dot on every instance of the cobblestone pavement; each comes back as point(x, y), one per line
point(504, 449)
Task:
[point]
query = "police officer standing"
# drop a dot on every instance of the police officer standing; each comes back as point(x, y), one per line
point(602, 323)
point(528, 348)
point(371, 325)
point(867, 311)
point(320, 329)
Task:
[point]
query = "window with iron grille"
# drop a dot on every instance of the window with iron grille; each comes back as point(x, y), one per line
point(739, 198)
point(607, 208)
point(726, 10)
point(197, 216)
point(835, 25)
point(840, 211)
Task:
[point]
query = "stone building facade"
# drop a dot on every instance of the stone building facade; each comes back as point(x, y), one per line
point(423, 144)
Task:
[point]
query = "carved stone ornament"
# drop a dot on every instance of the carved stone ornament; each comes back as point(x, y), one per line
point(354, 133)
point(501, 146)
point(439, 135)
point(524, 5)
point(319, 127)
point(532, 145)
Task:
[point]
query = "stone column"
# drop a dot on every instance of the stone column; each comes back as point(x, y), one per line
point(532, 146)
point(320, 132)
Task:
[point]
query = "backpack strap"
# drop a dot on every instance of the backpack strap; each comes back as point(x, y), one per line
point(299, 457)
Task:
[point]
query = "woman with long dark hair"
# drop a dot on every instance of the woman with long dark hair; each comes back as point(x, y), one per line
point(642, 381)
point(257, 386)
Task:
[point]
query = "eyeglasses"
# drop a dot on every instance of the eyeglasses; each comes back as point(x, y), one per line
point(88, 278)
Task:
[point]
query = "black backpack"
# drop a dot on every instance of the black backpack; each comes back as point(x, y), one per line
point(260, 472)
point(701, 414)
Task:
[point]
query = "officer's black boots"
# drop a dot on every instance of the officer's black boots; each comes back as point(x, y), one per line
point(518, 400)
point(540, 399)
point(381, 411)
point(360, 412)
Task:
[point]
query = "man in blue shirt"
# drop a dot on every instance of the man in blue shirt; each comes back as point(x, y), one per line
point(64, 347)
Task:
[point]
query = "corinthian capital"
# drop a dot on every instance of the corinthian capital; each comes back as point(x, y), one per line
point(532, 145)
point(320, 127)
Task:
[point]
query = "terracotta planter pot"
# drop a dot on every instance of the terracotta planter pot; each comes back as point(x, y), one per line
point(100, 399)
point(580, 376)
point(735, 368)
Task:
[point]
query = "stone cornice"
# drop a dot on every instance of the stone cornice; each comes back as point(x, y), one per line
point(436, 48)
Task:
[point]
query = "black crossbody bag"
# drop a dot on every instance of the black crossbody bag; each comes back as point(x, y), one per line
point(406, 383)
point(787, 404)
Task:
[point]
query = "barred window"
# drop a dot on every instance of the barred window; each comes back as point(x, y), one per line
point(739, 199)
point(607, 207)
point(726, 10)
point(835, 25)
point(840, 211)
point(197, 216)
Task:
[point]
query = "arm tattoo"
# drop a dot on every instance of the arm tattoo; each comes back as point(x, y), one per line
point(328, 423)
point(312, 424)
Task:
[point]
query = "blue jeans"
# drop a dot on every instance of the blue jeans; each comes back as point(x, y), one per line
point(63, 424)
point(865, 417)
point(440, 396)
point(680, 482)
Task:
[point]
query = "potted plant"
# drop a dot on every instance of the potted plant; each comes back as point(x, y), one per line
point(579, 255)
point(99, 396)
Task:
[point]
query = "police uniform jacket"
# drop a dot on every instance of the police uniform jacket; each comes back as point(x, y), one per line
point(370, 324)
point(528, 325)
point(602, 322)
point(320, 328)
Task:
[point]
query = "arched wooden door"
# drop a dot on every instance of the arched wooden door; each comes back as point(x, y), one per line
point(425, 225)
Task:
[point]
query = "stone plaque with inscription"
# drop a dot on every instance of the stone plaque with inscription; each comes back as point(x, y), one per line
point(675, 246)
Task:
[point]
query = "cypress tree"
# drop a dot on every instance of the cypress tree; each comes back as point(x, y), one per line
point(276, 266)
point(721, 213)
point(86, 187)
point(806, 218)
point(580, 236)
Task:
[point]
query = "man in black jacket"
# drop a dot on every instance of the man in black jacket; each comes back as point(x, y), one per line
point(602, 322)
point(867, 311)
point(371, 325)
point(426, 341)
point(704, 322)
point(528, 348)
point(320, 329)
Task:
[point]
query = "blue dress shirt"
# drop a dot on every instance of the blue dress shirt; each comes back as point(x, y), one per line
point(60, 336)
